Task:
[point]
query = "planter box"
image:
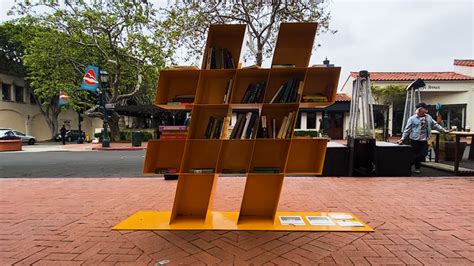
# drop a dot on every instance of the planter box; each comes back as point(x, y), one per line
point(10, 145)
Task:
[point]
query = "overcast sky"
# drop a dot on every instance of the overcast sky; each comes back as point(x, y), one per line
point(396, 35)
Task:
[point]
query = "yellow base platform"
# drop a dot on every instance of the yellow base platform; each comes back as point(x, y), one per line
point(160, 220)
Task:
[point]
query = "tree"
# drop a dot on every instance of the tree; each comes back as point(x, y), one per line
point(390, 94)
point(190, 21)
point(122, 37)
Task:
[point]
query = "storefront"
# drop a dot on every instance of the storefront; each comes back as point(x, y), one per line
point(453, 91)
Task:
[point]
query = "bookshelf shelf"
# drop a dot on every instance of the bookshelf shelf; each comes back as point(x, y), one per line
point(200, 154)
point(322, 81)
point(306, 156)
point(203, 114)
point(173, 83)
point(270, 153)
point(263, 159)
point(246, 77)
point(230, 37)
point(294, 44)
point(213, 85)
point(235, 156)
point(163, 154)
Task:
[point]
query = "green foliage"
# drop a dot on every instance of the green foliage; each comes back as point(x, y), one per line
point(389, 94)
point(127, 135)
point(188, 22)
point(61, 39)
point(310, 133)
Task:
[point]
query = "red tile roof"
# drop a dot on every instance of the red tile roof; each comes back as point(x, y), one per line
point(410, 76)
point(342, 97)
point(464, 62)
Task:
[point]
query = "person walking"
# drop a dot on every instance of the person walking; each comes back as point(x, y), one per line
point(418, 130)
point(63, 134)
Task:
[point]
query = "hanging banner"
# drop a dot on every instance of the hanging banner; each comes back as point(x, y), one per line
point(63, 98)
point(90, 81)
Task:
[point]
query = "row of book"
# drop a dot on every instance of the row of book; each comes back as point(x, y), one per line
point(244, 126)
point(270, 129)
point(254, 93)
point(214, 128)
point(219, 58)
point(182, 99)
point(289, 92)
point(173, 132)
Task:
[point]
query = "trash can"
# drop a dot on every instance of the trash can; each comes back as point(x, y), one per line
point(136, 139)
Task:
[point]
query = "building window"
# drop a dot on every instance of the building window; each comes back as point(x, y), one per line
point(298, 121)
point(6, 92)
point(32, 98)
point(19, 94)
point(311, 120)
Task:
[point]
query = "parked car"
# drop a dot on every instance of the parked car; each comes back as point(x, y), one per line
point(71, 135)
point(8, 133)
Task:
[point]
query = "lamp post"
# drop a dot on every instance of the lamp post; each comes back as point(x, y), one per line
point(104, 79)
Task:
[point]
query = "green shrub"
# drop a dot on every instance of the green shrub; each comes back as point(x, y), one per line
point(303, 133)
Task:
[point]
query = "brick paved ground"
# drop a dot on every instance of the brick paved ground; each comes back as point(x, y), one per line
point(67, 221)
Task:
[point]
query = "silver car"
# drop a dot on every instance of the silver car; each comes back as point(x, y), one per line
point(24, 138)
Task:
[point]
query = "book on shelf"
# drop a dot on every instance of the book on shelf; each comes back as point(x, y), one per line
point(166, 170)
point(219, 58)
point(228, 92)
point(214, 128)
point(173, 128)
point(274, 126)
point(245, 127)
point(233, 171)
point(287, 92)
point(290, 125)
point(266, 170)
point(264, 127)
point(247, 122)
point(225, 128)
point(174, 133)
point(282, 127)
point(254, 93)
point(201, 170)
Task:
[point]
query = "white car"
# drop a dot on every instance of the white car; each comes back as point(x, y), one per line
point(24, 138)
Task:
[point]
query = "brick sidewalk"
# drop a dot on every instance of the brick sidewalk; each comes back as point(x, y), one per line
point(68, 221)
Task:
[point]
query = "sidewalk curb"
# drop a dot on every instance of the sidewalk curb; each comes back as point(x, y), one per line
point(118, 148)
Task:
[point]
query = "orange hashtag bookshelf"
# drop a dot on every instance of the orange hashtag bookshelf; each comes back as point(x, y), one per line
point(242, 122)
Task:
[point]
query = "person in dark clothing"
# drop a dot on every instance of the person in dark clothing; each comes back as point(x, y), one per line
point(418, 130)
point(63, 134)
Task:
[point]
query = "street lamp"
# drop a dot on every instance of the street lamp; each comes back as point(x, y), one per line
point(104, 80)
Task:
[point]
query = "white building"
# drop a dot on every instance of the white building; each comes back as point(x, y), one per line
point(454, 90)
point(19, 111)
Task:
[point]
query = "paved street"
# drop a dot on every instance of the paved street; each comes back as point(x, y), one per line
point(68, 222)
point(71, 164)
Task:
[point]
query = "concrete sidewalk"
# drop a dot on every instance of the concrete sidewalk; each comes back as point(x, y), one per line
point(57, 146)
point(67, 221)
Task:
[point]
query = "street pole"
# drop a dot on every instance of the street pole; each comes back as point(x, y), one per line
point(105, 134)
point(80, 140)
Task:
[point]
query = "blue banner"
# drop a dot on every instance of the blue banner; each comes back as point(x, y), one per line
point(63, 99)
point(90, 81)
